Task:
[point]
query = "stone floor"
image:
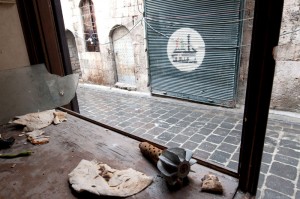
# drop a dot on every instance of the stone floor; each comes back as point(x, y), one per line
point(213, 133)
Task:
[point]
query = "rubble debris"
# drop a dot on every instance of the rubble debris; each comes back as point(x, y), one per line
point(211, 184)
point(101, 179)
point(6, 143)
point(21, 154)
point(36, 121)
point(59, 117)
point(36, 137)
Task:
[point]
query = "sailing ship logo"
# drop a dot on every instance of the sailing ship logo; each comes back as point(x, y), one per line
point(186, 49)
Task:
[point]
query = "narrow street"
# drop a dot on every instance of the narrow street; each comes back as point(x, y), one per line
point(213, 133)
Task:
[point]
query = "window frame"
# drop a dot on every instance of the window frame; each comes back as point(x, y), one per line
point(90, 35)
point(265, 36)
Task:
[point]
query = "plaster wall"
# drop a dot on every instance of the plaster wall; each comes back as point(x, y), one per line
point(13, 52)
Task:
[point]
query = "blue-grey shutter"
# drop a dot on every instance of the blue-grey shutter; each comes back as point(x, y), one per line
point(219, 24)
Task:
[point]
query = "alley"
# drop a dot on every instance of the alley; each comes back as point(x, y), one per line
point(213, 133)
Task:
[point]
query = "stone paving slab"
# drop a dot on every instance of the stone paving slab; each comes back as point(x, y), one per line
point(213, 133)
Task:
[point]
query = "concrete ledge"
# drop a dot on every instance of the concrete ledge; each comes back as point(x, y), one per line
point(125, 86)
point(116, 90)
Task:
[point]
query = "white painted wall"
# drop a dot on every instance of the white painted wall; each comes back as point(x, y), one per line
point(13, 52)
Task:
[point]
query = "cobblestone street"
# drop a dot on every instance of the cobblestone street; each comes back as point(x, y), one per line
point(213, 133)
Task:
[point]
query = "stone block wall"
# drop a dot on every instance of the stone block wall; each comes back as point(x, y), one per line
point(99, 67)
point(245, 50)
point(286, 92)
point(128, 14)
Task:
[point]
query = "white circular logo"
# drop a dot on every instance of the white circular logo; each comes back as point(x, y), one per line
point(186, 49)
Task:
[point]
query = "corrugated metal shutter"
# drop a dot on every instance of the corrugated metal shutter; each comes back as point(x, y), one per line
point(193, 48)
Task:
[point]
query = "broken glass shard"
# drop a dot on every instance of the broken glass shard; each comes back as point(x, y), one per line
point(33, 89)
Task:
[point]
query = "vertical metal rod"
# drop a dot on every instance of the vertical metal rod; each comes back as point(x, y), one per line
point(265, 36)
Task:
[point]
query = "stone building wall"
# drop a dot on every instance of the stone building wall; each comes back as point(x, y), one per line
point(286, 87)
point(245, 50)
point(128, 14)
point(286, 92)
point(100, 67)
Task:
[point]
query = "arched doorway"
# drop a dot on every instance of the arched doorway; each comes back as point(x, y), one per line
point(73, 53)
point(124, 56)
